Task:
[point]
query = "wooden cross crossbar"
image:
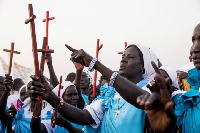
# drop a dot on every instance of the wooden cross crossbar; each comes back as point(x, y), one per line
point(95, 71)
point(125, 45)
point(6, 50)
point(11, 51)
point(44, 50)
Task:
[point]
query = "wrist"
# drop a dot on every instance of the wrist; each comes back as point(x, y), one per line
point(79, 71)
point(92, 64)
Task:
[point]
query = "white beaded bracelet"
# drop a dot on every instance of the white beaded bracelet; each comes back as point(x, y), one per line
point(112, 78)
point(92, 63)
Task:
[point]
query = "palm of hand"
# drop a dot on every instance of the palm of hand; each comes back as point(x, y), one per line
point(159, 120)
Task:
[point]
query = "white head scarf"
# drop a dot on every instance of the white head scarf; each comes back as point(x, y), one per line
point(172, 74)
point(148, 56)
point(65, 84)
point(187, 67)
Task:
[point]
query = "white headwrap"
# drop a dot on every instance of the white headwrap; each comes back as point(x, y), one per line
point(148, 56)
point(21, 90)
point(172, 74)
point(187, 67)
point(65, 84)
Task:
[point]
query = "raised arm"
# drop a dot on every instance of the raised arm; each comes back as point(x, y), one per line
point(53, 77)
point(36, 106)
point(79, 69)
point(71, 113)
point(7, 86)
point(128, 90)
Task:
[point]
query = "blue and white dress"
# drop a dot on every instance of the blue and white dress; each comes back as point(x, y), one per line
point(103, 108)
point(21, 123)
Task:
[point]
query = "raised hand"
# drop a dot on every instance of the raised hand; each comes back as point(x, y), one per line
point(78, 66)
point(8, 82)
point(48, 57)
point(11, 112)
point(59, 120)
point(36, 88)
point(80, 56)
point(159, 106)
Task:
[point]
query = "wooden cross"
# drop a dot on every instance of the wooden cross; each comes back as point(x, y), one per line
point(44, 50)
point(125, 45)
point(34, 45)
point(47, 27)
point(60, 87)
point(95, 71)
point(33, 36)
point(11, 51)
point(116, 113)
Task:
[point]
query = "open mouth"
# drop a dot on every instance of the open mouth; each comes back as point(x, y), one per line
point(121, 68)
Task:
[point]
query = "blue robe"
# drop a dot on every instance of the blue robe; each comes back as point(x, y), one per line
point(131, 119)
point(85, 98)
point(188, 105)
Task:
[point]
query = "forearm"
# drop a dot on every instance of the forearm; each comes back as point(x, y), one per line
point(36, 118)
point(71, 128)
point(128, 90)
point(53, 77)
point(69, 112)
point(81, 101)
point(3, 102)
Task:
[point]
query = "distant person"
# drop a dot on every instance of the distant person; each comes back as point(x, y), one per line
point(14, 93)
point(71, 77)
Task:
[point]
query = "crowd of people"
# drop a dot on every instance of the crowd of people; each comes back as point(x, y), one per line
point(143, 96)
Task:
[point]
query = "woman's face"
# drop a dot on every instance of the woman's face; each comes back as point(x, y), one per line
point(195, 52)
point(131, 64)
point(70, 95)
point(23, 94)
point(85, 81)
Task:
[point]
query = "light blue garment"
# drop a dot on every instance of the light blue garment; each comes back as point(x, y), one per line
point(22, 125)
point(188, 105)
point(130, 118)
point(63, 130)
point(85, 98)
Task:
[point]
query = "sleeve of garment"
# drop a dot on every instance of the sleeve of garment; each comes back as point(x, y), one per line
point(146, 89)
point(47, 124)
point(96, 111)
